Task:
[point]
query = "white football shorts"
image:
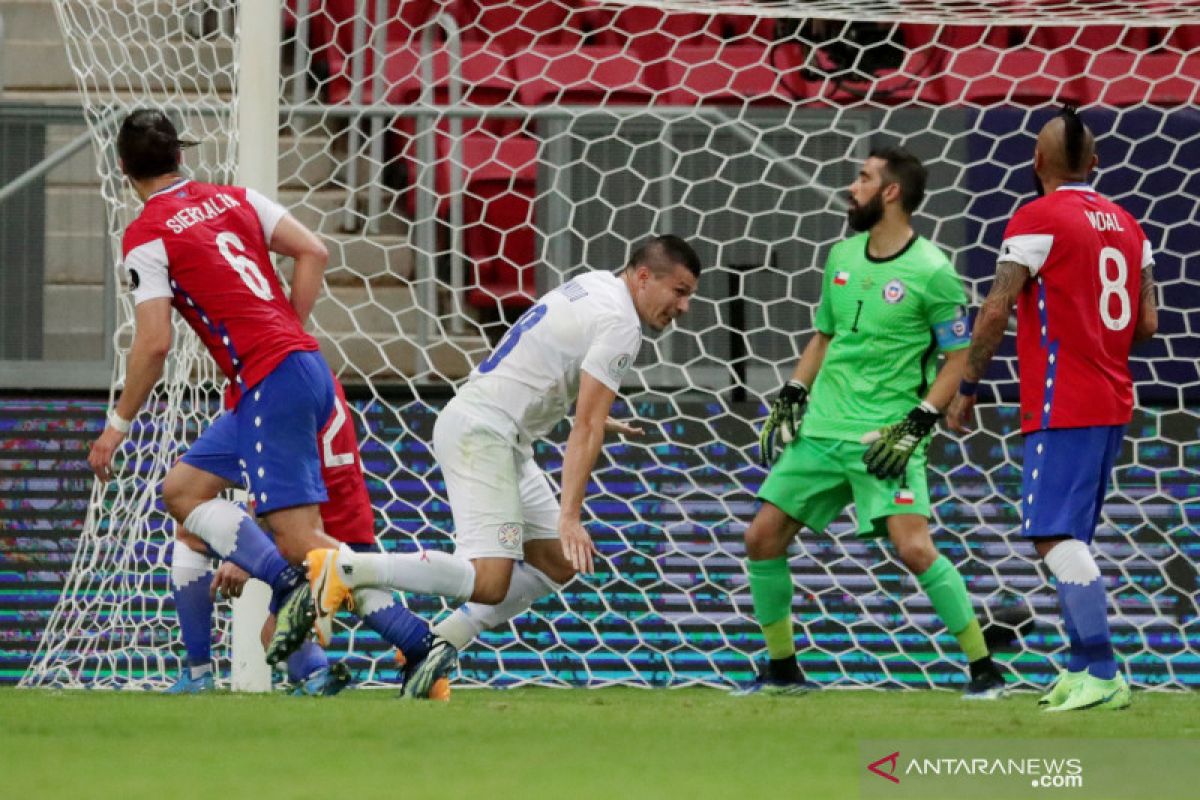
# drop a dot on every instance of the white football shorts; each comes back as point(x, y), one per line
point(499, 497)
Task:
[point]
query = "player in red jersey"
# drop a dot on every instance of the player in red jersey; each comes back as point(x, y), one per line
point(205, 250)
point(1078, 267)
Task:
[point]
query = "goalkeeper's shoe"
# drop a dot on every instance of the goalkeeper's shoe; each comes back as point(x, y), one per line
point(422, 678)
point(987, 685)
point(329, 591)
point(293, 622)
point(767, 684)
point(189, 685)
point(325, 682)
point(1064, 684)
point(1091, 692)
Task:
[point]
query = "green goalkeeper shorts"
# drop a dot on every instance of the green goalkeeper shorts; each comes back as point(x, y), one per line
point(815, 479)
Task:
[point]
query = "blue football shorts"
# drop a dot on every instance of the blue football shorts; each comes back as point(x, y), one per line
point(1064, 480)
point(270, 442)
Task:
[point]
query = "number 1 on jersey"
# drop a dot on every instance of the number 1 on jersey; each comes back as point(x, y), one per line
point(857, 314)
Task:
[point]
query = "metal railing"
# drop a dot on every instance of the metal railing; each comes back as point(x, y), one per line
point(49, 373)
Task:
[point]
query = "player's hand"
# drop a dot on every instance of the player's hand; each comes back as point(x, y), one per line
point(784, 419)
point(892, 446)
point(577, 545)
point(961, 413)
point(101, 455)
point(229, 581)
point(624, 428)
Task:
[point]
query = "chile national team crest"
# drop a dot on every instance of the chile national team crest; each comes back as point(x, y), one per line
point(894, 291)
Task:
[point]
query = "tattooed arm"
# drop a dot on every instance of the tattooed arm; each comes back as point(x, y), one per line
point(1147, 320)
point(990, 326)
point(993, 318)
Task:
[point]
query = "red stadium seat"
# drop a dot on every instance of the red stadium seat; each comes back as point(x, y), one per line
point(958, 37)
point(520, 24)
point(652, 32)
point(486, 80)
point(1091, 38)
point(1185, 38)
point(486, 77)
point(587, 74)
point(734, 73)
point(985, 76)
point(333, 35)
point(1160, 78)
point(918, 78)
point(500, 238)
point(743, 28)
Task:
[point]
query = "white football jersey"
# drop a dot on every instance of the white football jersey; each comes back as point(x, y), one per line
point(532, 377)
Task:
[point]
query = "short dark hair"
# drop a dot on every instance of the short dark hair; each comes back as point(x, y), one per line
point(149, 145)
point(661, 253)
point(905, 170)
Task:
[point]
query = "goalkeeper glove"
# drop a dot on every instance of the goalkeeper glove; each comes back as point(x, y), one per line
point(892, 446)
point(785, 416)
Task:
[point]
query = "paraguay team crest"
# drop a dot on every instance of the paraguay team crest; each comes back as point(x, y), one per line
point(894, 291)
point(509, 535)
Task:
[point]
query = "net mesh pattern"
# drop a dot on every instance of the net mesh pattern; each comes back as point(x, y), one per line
point(462, 158)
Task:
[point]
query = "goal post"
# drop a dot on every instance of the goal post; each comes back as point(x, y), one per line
point(257, 104)
point(460, 159)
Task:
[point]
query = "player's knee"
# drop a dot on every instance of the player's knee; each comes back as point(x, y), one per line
point(488, 595)
point(490, 590)
point(766, 539)
point(918, 555)
point(176, 497)
point(293, 549)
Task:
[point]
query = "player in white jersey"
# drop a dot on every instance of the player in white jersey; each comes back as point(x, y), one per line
point(513, 541)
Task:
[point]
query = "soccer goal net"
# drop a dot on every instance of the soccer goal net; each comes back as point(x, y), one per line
point(462, 157)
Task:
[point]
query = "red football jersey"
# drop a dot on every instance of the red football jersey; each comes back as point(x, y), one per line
point(1076, 316)
point(205, 247)
point(347, 515)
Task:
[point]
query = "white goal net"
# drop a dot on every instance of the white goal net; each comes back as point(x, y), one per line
point(460, 158)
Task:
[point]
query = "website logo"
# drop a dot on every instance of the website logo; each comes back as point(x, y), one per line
point(877, 767)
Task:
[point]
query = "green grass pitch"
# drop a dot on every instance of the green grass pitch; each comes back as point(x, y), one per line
point(614, 744)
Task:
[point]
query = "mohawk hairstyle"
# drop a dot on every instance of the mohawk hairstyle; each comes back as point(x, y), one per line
point(1074, 138)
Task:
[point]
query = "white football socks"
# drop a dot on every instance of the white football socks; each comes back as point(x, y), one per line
point(527, 585)
point(427, 572)
point(187, 565)
point(216, 521)
point(1071, 562)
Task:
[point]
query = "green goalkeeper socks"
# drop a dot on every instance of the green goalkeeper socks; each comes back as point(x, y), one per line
point(771, 588)
point(946, 590)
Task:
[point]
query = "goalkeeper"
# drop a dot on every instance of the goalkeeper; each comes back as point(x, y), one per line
point(890, 302)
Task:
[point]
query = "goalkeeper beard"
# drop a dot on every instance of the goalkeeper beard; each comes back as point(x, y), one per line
point(863, 218)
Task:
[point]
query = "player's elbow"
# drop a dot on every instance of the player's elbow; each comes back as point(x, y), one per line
point(993, 313)
point(314, 255)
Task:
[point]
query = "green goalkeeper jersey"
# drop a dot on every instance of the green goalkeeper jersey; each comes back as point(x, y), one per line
point(888, 318)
